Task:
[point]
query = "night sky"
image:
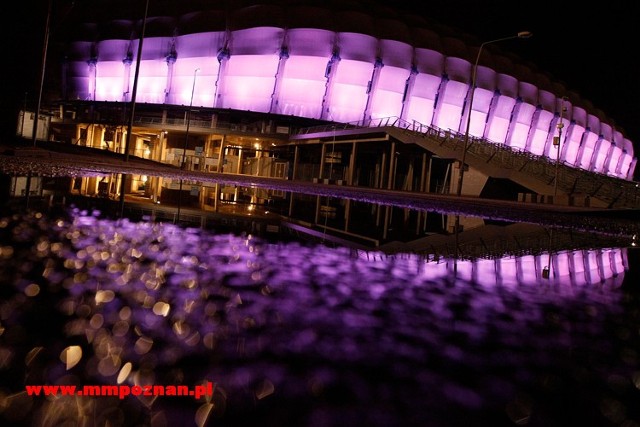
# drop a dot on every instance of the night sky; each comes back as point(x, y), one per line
point(592, 50)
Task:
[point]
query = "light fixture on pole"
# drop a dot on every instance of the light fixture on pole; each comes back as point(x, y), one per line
point(556, 142)
point(186, 141)
point(520, 35)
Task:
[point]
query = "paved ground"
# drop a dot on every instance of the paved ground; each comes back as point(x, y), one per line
point(63, 160)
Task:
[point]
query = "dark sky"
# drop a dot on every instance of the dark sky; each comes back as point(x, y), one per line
point(592, 49)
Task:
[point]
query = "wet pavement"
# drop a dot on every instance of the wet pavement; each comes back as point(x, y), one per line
point(85, 161)
point(305, 335)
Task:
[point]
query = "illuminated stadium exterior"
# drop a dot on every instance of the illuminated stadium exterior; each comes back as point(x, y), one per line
point(226, 86)
point(342, 65)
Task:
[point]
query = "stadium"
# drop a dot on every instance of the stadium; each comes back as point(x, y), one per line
point(345, 93)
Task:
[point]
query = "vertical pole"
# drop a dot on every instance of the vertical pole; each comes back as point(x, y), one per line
point(127, 145)
point(186, 141)
point(39, 106)
point(560, 125)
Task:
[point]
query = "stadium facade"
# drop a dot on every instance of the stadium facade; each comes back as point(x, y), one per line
point(236, 86)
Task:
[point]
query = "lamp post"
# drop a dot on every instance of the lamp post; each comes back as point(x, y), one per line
point(123, 176)
point(186, 140)
point(520, 35)
point(560, 126)
point(34, 135)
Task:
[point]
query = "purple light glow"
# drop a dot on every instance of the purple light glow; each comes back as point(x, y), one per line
point(252, 78)
point(156, 304)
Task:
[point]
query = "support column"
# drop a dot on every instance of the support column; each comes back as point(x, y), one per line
point(352, 164)
point(93, 68)
point(371, 90)
point(171, 60)
point(329, 74)
point(126, 78)
point(275, 95)
point(392, 160)
point(323, 153)
point(408, 90)
point(223, 59)
point(221, 154)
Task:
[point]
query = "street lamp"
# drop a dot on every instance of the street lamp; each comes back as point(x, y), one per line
point(186, 140)
point(520, 35)
point(556, 142)
point(127, 145)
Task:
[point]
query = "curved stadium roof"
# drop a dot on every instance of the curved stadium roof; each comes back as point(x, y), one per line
point(344, 61)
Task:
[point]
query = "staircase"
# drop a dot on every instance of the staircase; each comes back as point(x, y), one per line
point(536, 173)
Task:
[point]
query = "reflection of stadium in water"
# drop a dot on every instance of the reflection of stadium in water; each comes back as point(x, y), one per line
point(293, 331)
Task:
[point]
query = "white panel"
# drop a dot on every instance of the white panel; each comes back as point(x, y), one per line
point(486, 274)
point(423, 98)
point(109, 81)
point(624, 163)
point(450, 102)
point(249, 82)
point(183, 81)
point(350, 91)
point(601, 156)
point(527, 269)
point(540, 133)
point(480, 109)
point(151, 81)
point(499, 124)
point(573, 140)
point(303, 86)
point(613, 161)
point(591, 263)
point(590, 140)
point(508, 272)
point(523, 116)
point(387, 99)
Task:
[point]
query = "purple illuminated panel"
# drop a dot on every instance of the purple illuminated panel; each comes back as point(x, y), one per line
point(110, 81)
point(423, 98)
point(588, 149)
point(498, 126)
point(448, 112)
point(151, 81)
point(349, 95)
point(572, 144)
point(387, 100)
point(184, 77)
point(303, 87)
point(249, 82)
point(481, 102)
point(285, 68)
point(540, 134)
point(601, 155)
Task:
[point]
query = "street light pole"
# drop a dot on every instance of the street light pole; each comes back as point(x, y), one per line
point(520, 35)
point(560, 126)
point(123, 176)
point(186, 140)
point(34, 134)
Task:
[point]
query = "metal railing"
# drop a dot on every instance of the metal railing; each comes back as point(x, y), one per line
point(572, 181)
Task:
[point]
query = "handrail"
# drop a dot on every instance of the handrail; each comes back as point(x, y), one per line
point(571, 180)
